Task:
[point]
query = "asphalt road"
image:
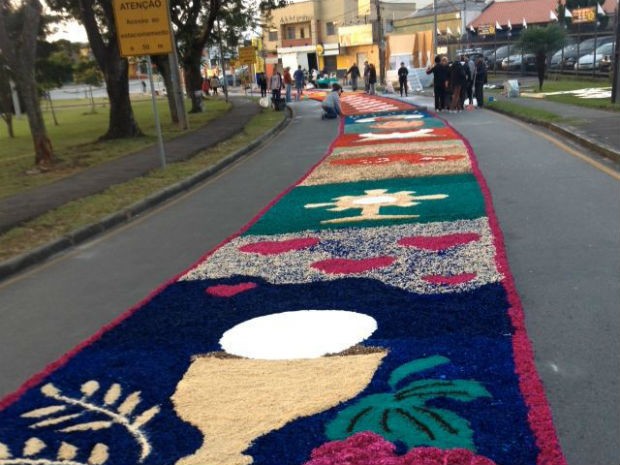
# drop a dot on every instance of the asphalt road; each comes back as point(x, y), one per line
point(560, 216)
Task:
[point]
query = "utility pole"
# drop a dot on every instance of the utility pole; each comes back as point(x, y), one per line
point(173, 61)
point(381, 35)
point(434, 29)
point(615, 89)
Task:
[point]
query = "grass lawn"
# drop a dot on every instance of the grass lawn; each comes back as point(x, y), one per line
point(53, 225)
point(75, 139)
point(558, 84)
point(565, 83)
point(533, 114)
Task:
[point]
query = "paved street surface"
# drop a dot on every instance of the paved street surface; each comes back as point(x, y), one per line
point(560, 217)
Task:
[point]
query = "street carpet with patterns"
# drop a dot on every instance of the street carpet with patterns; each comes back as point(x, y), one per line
point(366, 317)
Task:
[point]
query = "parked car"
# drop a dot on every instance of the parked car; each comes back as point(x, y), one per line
point(519, 61)
point(572, 53)
point(593, 60)
point(495, 57)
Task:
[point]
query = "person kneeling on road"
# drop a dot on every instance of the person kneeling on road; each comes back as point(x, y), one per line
point(331, 104)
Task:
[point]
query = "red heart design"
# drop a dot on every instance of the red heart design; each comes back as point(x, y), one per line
point(229, 290)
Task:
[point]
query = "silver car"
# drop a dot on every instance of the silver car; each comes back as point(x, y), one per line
point(591, 60)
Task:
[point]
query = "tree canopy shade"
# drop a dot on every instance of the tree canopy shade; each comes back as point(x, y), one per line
point(542, 41)
point(19, 28)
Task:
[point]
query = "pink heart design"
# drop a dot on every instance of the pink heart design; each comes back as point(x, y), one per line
point(437, 243)
point(348, 266)
point(229, 290)
point(278, 247)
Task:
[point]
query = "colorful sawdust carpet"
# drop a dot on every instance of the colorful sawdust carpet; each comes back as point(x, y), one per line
point(367, 316)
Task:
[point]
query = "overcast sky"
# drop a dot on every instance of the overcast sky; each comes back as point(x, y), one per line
point(70, 31)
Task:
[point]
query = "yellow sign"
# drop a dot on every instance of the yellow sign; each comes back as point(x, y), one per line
point(486, 30)
point(143, 27)
point(247, 55)
point(363, 7)
point(350, 36)
point(320, 50)
point(584, 15)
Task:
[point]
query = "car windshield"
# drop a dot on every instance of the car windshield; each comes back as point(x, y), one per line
point(605, 49)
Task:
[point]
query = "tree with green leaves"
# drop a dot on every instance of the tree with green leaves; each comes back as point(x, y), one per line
point(20, 26)
point(197, 24)
point(542, 41)
point(97, 16)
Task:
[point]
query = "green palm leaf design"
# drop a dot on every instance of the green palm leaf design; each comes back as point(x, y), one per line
point(403, 414)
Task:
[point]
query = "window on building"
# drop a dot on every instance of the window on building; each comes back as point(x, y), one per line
point(273, 36)
point(331, 28)
point(290, 32)
point(302, 33)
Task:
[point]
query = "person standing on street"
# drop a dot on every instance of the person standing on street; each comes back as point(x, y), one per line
point(214, 83)
point(471, 67)
point(458, 81)
point(288, 83)
point(354, 71)
point(480, 81)
point(440, 76)
point(403, 72)
point(275, 84)
point(366, 76)
point(299, 78)
point(262, 84)
point(372, 79)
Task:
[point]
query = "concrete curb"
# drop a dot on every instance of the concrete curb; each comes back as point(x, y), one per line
point(605, 151)
point(35, 256)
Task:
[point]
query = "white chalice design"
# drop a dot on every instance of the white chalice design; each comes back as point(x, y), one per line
point(274, 369)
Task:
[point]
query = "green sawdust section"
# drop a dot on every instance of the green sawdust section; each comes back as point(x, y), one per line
point(339, 206)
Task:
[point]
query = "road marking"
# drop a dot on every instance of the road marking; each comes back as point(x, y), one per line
point(567, 148)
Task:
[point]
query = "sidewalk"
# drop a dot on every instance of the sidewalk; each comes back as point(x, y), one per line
point(17, 209)
point(598, 130)
point(22, 207)
point(595, 129)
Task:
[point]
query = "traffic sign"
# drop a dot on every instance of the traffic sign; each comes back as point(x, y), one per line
point(247, 55)
point(143, 27)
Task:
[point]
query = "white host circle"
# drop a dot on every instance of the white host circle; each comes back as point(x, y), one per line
point(298, 334)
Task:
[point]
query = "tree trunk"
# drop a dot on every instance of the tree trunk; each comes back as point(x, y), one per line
point(20, 54)
point(8, 119)
point(44, 155)
point(163, 65)
point(122, 123)
point(193, 79)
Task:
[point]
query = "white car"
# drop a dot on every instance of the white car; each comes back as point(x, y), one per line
point(586, 62)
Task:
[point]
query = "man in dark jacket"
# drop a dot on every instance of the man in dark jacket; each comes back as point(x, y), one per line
point(402, 79)
point(458, 82)
point(440, 79)
point(354, 71)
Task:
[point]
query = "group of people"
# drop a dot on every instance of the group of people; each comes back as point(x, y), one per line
point(369, 75)
point(279, 82)
point(455, 82)
point(210, 85)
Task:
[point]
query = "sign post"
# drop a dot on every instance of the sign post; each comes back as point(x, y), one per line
point(143, 28)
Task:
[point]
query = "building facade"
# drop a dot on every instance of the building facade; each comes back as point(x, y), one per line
point(329, 35)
